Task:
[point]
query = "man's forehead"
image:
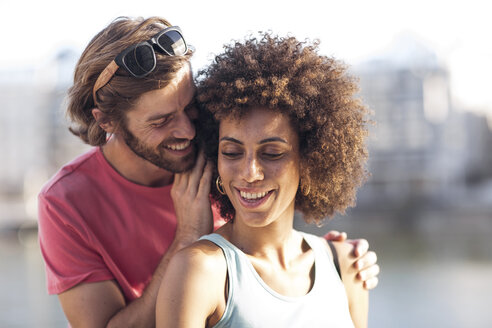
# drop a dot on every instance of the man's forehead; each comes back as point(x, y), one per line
point(176, 96)
point(184, 73)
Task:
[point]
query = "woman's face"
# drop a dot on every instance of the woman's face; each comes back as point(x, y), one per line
point(258, 162)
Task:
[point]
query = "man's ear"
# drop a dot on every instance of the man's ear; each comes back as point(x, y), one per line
point(101, 118)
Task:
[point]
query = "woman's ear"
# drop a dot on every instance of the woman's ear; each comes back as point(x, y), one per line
point(102, 120)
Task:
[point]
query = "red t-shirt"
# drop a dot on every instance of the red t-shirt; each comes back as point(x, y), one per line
point(95, 225)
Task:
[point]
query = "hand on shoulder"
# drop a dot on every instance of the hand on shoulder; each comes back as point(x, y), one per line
point(357, 295)
point(366, 261)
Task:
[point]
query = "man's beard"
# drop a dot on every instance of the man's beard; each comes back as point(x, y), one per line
point(157, 156)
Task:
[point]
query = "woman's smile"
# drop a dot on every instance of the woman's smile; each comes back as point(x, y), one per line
point(252, 199)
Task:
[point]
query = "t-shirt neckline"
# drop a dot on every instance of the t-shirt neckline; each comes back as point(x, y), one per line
point(121, 179)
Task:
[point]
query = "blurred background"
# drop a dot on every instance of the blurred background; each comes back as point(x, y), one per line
point(424, 68)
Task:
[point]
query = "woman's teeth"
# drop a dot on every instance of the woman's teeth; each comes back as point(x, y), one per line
point(248, 195)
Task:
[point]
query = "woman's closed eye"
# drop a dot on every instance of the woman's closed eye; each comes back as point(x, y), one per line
point(231, 154)
point(272, 156)
point(265, 155)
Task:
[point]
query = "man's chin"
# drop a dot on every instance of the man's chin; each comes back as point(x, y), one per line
point(179, 166)
point(163, 159)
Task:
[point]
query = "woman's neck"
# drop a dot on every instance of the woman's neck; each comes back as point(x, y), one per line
point(276, 242)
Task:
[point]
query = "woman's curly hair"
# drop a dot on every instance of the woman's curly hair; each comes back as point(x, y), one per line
point(315, 91)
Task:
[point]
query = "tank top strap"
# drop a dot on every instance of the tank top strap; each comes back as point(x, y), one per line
point(324, 261)
point(229, 253)
point(315, 243)
point(232, 262)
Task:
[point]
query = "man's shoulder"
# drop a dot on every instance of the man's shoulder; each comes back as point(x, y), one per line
point(74, 175)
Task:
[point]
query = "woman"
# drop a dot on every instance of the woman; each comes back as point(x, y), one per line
point(289, 135)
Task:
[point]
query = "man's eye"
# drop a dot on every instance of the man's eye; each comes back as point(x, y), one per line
point(159, 123)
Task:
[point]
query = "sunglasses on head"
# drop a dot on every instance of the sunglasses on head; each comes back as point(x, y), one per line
point(139, 59)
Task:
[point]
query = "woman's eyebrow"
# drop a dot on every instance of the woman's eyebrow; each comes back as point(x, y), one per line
point(267, 140)
point(231, 140)
point(273, 139)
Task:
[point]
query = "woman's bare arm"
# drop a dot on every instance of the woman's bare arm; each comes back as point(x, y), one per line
point(192, 290)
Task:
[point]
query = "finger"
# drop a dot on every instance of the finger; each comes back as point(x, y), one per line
point(196, 173)
point(361, 246)
point(369, 273)
point(177, 178)
point(179, 182)
point(204, 188)
point(366, 260)
point(335, 235)
point(371, 283)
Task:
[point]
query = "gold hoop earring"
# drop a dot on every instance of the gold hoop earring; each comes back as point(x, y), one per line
point(305, 186)
point(220, 187)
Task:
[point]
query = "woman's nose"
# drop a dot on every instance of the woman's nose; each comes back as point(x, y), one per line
point(252, 170)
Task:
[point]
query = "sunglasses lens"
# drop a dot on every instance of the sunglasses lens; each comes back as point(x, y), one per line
point(173, 43)
point(140, 61)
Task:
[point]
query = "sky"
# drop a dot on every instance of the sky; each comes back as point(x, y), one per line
point(351, 30)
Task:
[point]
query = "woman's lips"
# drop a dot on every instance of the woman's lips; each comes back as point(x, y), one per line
point(251, 199)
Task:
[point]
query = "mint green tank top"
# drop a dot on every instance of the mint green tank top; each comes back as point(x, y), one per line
point(252, 303)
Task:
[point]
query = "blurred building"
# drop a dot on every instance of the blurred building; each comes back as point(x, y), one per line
point(34, 139)
point(423, 150)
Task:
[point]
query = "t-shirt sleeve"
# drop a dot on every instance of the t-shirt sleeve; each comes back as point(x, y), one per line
point(218, 220)
point(69, 256)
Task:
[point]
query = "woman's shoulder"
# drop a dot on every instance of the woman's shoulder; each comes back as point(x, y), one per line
point(193, 285)
point(203, 256)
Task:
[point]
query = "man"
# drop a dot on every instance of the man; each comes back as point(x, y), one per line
point(110, 220)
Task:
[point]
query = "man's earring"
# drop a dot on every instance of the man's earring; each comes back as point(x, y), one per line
point(220, 187)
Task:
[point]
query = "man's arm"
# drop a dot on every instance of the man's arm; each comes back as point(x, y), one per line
point(365, 264)
point(357, 295)
point(102, 304)
point(81, 304)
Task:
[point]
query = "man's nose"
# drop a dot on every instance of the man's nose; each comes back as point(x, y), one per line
point(184, 127)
